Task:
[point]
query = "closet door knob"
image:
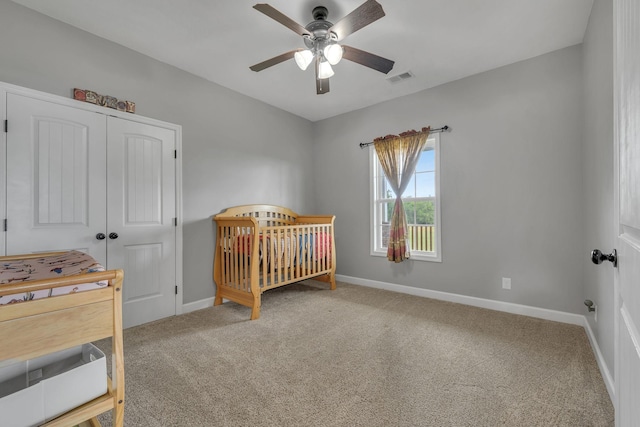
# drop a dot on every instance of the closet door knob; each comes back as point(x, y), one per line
point(100, 236)
point(113, 235)
point(597, 257)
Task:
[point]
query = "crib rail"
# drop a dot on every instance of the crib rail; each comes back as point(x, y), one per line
point(265, 215)
point(251, 258)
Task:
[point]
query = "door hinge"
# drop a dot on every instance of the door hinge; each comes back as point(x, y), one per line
point(175, 222)
point(176, 289)
point(175, 154)
point(6, 126)
point(5, 224)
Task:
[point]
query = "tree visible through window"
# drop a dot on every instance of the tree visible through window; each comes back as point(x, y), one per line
point(421, 204)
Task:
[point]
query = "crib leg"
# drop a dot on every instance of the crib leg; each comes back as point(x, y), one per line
point(332, 282)
point(329, 278)
point(218, 299)
point(255, 310)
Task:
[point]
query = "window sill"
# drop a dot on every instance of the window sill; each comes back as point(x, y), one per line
point(415, 256)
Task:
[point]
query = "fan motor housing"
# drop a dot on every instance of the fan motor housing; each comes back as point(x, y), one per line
point(319, 29)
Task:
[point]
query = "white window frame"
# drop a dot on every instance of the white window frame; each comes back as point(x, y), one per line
point(374, 203)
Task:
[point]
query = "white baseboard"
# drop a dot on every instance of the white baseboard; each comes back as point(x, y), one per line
point(197, 305)
point(604, 370)
point(508, 307)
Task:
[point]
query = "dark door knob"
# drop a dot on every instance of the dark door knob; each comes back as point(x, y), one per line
point(597, 257)
point(113, 235)
point(100, 236)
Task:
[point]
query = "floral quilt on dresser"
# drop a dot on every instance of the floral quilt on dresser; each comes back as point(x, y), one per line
point(59, 265)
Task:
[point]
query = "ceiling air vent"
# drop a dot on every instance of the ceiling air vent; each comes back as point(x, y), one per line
point(400, 77)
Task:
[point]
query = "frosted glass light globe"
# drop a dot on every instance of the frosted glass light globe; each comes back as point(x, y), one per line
point(303, 58)
point(333, 53)
point(325, 71)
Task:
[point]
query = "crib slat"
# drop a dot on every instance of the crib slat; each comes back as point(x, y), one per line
point(316, 245)
point(263, 257)
point(234, 259)
point(247, 260)
point(276, 257)
point(306, 250)
point(242, 260)
point(321, 247)
point(270, 260)
point(296, 243)
point(228, 252)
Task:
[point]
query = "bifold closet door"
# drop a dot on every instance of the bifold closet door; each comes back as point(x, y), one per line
point(140, 217)
point(99, 184)
point(56, 178)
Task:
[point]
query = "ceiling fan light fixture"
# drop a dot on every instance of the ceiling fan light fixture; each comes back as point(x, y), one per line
point(324, 70)
point(321, 38)
point(303, 58)
point(333, 53)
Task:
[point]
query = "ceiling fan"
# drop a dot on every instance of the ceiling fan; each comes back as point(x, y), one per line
point(321, 38)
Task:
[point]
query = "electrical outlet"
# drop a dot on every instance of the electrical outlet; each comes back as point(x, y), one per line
point(506, 283)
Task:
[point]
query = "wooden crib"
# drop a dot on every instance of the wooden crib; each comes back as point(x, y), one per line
point(261, 247)
point(31, 327)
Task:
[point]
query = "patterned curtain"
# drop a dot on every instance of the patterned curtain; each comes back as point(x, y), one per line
point(398, 156)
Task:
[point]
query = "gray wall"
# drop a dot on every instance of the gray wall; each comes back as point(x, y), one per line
point(512, 167)
point(511, 183)
point(236, 150)
point(597, 162)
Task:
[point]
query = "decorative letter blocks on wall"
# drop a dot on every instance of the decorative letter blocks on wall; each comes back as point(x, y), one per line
point(104, 100)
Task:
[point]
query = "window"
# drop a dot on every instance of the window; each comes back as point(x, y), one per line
point(421, 203)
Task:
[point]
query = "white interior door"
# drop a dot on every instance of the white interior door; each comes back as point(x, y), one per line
point(141, 210)
point(627, 128)
point(56, 178)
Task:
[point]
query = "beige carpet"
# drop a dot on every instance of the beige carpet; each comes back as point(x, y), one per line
point(360, 357)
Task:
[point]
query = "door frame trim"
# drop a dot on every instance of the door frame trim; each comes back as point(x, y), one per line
point(3, 174)
point(616, 214)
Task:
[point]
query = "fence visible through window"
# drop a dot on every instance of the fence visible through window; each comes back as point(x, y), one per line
point(421, 237)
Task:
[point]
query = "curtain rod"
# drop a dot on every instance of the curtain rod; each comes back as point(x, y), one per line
point(442, 129)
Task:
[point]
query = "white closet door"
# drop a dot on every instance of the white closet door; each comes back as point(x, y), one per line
point(627, 190)
point(141, 209)
point(56, 178)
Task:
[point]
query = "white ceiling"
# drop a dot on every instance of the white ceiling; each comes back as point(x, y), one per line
point(436, 40)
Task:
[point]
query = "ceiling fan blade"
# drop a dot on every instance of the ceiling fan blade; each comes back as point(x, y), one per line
point(367, 59)
point(276, 15)
point(322, 85)
point(362, 16)
point(274, 61)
